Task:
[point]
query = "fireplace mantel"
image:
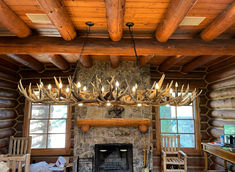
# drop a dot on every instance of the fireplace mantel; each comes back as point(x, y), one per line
point(85, 124)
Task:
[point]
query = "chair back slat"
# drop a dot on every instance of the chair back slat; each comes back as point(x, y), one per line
point(19, 145)
point(170, 144)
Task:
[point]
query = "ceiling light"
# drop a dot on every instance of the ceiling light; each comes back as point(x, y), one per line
point(192, 21)
point(38, 18)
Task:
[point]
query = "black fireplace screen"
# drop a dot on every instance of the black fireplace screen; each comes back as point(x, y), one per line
point(113, 158)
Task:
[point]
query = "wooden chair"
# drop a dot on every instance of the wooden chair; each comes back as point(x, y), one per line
point(19, 154)
point(171, 154)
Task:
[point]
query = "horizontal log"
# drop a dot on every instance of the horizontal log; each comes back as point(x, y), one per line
point(174, 75)
point(99, 46)
point(7, 84)
point(8, 77)
point(220, 123)
point(59, 61)
point(29, 74)
point(222, 84)
point(7, 64)
point(203, 110)
point(223, 64)
point(8, 103)
point(215, 132)
point(6, 124)
point(115, 61)
point(225, 103)
point(198, 62)
point(28, 61)
point(4, 143)
point(7, 70)
point(204, 135)
point(229, 92)
point(7, 114)
point(170, 62)
point(225, 114)
point(86, 61)
point(6, 93)
point(221, 74)
point(6, 133)
point(204, 126)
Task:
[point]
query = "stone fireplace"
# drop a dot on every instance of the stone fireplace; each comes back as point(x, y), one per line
point(86, 142)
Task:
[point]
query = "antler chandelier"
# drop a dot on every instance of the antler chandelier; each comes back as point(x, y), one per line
point(116, 93)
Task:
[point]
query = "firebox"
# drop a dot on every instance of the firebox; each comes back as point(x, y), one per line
point(113, 158)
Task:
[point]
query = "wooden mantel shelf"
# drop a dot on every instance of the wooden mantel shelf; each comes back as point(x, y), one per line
point(85, 124)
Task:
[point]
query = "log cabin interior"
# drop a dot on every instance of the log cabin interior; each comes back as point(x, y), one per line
point(184, 41)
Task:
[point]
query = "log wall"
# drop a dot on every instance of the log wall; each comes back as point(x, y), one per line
point(196, 80)
point(9, 104)
point(221, 94)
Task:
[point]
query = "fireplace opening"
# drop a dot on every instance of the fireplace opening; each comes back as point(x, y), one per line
point(113, 157)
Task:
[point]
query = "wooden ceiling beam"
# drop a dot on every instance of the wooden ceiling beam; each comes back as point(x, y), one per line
point(86, 61)
point(176, 12)
point(115, 18)
point(59, 61)
point(198, 62)
point(12, 22)
point(28, 61)
point(220, 24)
point(170, 62)
point(59, 17)
point(53, 45)
point(145, 59)
point(115, 61)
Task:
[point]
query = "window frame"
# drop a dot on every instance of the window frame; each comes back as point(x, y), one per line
point(47, 151)
point(189, 151)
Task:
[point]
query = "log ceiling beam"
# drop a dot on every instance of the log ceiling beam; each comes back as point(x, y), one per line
point(170, 62)
point(115, 61)
point(176, 12)
point(59, 17)
point(12, 22)
point(28, 61)
point(145, 59)
point(198, 62)
point(99, 46)
point(86, 61)
point(59, 61)
point(220, 24)
point(115, 18)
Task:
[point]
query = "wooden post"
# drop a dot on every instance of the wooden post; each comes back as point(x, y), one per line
point(206, 161)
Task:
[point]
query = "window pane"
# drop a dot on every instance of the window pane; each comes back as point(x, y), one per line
point(185, 126)
point(38, 141)
point(57, 126)
point(184, 112)
point(168, 126)
point(40, 111)
point(56, 140)
point(58, 111)
point(187, 140)
point(167, 112)
point(38, 126)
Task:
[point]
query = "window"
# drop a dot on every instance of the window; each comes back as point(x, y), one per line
point(49, 127)
point(180, 120)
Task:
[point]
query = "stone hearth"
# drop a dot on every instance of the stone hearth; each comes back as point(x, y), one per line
point(85, 142)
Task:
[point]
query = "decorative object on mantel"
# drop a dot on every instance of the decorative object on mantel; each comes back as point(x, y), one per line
point(85, 124)
point(109, 93)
